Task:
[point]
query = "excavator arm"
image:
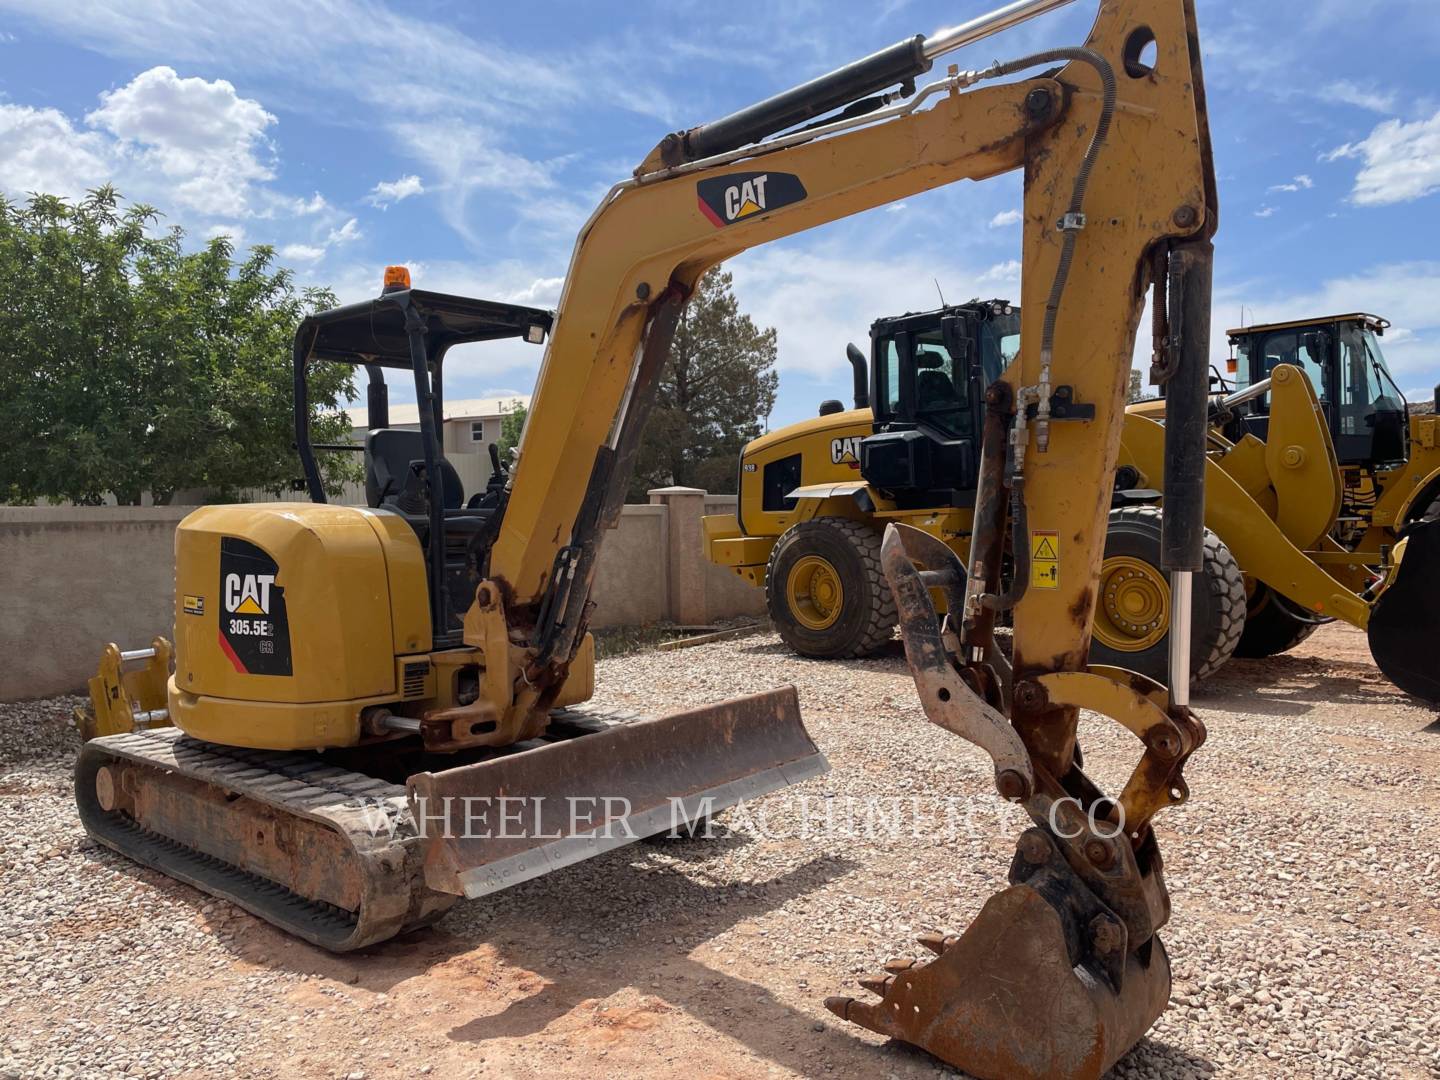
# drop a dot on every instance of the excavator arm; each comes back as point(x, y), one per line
point(640, 254)
point(1063, 971)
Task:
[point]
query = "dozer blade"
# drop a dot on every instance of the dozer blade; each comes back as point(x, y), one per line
point(1403, 620)
point(495, 824)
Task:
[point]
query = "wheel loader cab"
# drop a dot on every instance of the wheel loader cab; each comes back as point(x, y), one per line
point(1364, 409)
point(406, 470)
point(929, 374)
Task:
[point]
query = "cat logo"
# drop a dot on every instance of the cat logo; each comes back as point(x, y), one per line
point(726, 200)
point(248, 594)
point(846, 451)
point(255, 631)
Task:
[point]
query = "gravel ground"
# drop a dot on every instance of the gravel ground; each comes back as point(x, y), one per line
point(1305, 938)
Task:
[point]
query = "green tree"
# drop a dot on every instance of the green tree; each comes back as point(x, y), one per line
point(128, 364)
point(1137, 387)
point(715, 390)
point(512, 424)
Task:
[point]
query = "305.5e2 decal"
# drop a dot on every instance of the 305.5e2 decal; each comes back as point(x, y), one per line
point(254, 627)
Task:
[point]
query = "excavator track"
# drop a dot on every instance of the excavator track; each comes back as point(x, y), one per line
point(329, 855)
point(334, 856)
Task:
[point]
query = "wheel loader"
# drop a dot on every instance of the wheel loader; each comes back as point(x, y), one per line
point(354, 688)
point(1300, 525)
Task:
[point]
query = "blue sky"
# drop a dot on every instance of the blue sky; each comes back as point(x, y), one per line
point(471, 141)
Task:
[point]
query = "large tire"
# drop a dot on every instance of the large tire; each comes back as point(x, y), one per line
point(1271, 627)
point(825, 590)
point(1132, 610)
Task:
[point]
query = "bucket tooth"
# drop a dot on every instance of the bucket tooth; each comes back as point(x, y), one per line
point(876, 984)
point(501, 822)
point(936, 942)
point(1403, 621)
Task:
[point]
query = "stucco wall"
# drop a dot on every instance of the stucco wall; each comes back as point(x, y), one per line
point(74, 578)
point(630, 581)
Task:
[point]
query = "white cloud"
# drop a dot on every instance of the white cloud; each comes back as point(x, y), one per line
point(347, 233)
point(1345, 92)
point(1007, 272)
point(466, 159)
point(236, 233)
point(542, 292)
point(1004, 218)
point(821, 294)
point(40, 151)
point(190, 146)
point(393, 191)
point(303, 252)
point(1402, 162)
point(466, 106)
point(314, 205)
point(1301, 183)
point(1265, 211)
point(200, 134)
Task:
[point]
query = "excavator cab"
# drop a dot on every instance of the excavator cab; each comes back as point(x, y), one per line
point(406, 470)
point(929, 371)
point(1364, 408)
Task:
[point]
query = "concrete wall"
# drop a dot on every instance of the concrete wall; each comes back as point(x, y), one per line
point(73, 579)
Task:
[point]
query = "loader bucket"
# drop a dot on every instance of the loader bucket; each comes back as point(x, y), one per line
point(1403, 621)
point(495, 824)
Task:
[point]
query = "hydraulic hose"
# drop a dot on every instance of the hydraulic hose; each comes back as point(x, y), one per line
point(1070, 225)
point(1074, 219)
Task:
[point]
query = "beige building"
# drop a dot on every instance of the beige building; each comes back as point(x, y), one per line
point(471, 425)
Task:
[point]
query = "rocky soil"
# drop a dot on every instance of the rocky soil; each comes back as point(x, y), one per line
point(1304, 872)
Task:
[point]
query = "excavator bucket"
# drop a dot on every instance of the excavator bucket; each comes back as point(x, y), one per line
point(1402, 622)
point(1010, 998)
point(495, 824)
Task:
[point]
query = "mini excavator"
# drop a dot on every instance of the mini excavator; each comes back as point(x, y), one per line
point(427, 654)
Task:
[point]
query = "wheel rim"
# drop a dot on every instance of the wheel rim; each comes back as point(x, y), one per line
point(814, 593)
point(1134, 609)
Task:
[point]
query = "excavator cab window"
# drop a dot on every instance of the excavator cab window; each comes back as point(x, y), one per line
point(930, 371)
point(1371, 418)
point(1364, 409)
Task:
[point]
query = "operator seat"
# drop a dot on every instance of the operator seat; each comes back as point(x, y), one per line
point(934, 392)
point(389, 455)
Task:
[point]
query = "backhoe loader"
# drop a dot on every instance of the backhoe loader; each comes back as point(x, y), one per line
point(1299, 527)
point(356, 632)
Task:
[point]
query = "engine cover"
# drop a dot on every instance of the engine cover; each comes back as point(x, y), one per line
point(292, 604)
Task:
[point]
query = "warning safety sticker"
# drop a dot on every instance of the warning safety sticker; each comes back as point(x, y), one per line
point(1045, 560)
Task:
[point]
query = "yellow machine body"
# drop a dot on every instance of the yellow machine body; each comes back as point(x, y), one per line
point(293, 618)
point(1275, 503)
point(830, 486)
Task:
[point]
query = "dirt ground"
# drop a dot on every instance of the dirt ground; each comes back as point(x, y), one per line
point(1305, 938)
